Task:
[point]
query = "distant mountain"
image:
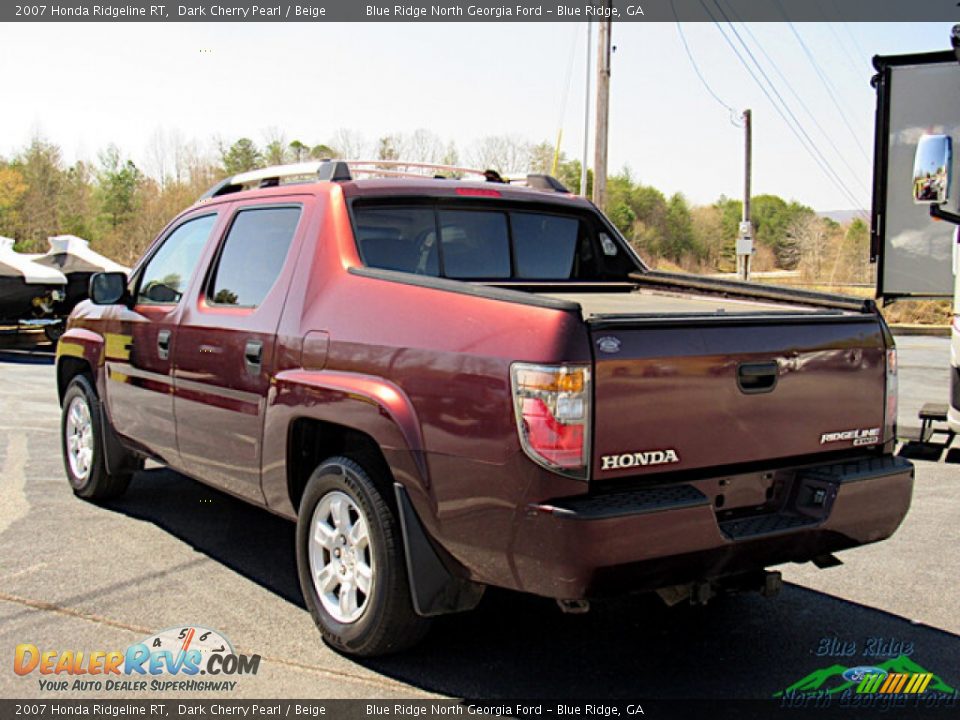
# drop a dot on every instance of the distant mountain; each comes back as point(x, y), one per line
point(840, 216)
point(820, 680)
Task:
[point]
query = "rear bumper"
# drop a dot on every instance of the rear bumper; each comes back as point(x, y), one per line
point(672, 534)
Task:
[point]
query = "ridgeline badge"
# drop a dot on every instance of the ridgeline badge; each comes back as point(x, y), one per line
point(863, 436)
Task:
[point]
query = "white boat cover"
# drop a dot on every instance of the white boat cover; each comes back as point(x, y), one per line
point(70, 254)
point(14, 264)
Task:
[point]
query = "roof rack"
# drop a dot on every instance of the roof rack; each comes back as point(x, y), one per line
point(344, 171)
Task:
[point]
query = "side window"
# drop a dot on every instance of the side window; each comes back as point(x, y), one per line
point(253, 255)
point(165, 277)
point(475, 244)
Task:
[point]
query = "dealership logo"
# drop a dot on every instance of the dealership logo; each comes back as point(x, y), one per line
point(898, 676)
point(170, 660)
point(639, 459)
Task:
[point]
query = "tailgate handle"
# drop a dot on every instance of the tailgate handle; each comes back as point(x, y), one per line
point(754, 378)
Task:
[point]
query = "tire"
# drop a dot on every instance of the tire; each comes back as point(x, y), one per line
point(368, 557)
point(81, 442)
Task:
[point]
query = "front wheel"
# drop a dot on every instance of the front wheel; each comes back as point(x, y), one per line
point(351, 563)
point(82, 444)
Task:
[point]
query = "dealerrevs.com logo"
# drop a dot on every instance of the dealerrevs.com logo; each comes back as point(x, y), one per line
point(183, 659)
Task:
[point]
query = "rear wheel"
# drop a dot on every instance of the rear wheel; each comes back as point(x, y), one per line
point(351, 563)
point(82, 444)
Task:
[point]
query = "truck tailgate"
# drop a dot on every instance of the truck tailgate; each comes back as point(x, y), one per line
point(710, 392)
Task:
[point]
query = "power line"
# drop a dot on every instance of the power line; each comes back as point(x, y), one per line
point(851, 61)
point(696, 68)
point(828, 86)
point(795, 126)
point(803, 104)
point(856, 43)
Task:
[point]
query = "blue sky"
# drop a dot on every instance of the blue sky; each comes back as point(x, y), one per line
point(86, 85)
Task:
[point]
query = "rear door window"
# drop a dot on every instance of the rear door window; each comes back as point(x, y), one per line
point(253, 255)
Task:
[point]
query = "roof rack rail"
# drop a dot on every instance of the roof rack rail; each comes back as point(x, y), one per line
point(331, 170)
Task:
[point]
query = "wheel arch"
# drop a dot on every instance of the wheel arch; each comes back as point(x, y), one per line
point(79, 352)
point(315, 415)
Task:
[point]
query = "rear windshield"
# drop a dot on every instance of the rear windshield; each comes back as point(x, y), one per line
point(485, 244)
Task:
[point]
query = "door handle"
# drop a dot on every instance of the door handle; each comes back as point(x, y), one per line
point(754, 378)
point(253, 356)
point(163, 344)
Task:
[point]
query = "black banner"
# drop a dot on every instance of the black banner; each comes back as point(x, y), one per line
point(484, 11)
point(808, 706)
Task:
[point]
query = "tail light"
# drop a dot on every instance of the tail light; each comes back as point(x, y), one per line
point(890, 414)
point(552, 405)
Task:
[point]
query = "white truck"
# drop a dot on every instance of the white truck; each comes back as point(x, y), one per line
point(917, 118)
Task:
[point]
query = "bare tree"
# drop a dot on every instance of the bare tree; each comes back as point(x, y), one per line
point(808, 235)
point(423, 146)
point(450, 155)
point(189, 159)
point(348, 144)
point(157, 156)
point(168, 156)
point(504, 153)
point(541, 158)
point(390, 147)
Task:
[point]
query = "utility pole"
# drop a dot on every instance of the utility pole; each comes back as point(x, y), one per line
point(745, 238)
point(603, 107)
point(586, 115)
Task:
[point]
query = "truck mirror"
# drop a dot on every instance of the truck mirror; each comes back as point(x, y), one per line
point(932, 167)
point(108, 288)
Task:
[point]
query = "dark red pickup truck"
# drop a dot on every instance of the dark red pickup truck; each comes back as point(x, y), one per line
point(450, 385)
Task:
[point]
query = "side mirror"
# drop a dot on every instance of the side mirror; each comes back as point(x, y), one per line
point(932, 168)
point(108, 288)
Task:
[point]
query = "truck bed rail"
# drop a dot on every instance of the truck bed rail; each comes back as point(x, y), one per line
point(754, 290)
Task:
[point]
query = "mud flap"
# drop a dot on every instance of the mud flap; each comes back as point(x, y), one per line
point(435, 590)
point(118, 459)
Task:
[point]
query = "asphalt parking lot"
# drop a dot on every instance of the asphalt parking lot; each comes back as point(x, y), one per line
point(75, 575)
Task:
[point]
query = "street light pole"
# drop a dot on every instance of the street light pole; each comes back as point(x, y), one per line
point(586, 115)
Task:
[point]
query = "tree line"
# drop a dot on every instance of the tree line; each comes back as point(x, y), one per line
point(120, 206)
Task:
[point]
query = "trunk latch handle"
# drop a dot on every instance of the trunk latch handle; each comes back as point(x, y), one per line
point(755, 378)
